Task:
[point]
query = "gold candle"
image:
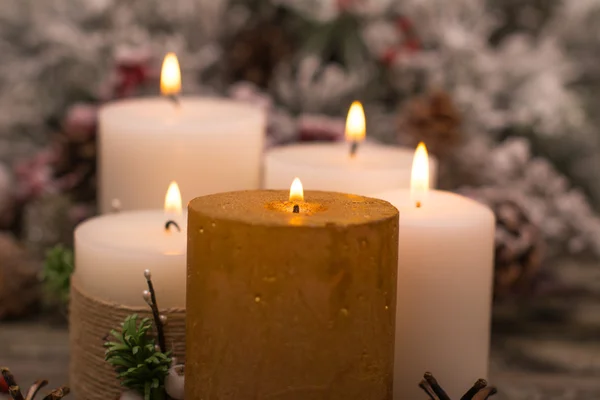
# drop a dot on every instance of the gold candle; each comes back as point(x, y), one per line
point(290, 299)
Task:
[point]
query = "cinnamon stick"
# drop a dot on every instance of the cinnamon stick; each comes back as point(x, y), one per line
point(15, 393)
point(13, 388)
point(59, 393)
point(479, 391)
point(35, 388)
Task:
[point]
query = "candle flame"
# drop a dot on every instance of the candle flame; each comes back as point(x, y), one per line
point(419, 182)
point(173, 199)
point(170, 76)
point(356, 123)
point(296, 191)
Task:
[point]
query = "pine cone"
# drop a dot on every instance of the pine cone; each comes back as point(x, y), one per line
point(519, 244)
point(518, 249)
point(256, 51)
point(434, 120)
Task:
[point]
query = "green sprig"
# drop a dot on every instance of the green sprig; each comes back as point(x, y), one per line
point(140, 366)
point(58, 268)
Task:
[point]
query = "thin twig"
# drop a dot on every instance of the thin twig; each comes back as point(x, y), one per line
point(155, 313)
point(35, 388)
point(58, 394)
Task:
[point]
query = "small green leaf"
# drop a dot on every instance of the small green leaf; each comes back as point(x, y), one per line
point(135, 359)
point(56, 273)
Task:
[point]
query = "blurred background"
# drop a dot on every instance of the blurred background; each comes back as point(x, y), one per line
point(504, 93)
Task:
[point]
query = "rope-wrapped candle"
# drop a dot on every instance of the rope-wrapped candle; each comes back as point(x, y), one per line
point(287, 302)
point(112, 253)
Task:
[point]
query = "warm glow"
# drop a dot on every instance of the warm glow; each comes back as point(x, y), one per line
point(356, 129)
point(170, 76)
point(296, 191)
point(419, 182)
point(173, 199)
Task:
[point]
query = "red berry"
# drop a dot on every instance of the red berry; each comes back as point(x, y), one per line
point(3, 385)
point(404, 24)
point(412, 45)
point(389, 56)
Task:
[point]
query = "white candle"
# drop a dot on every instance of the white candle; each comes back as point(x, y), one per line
point(445, 273)
point(112, 252)
point(331, 167)
point(207, 145)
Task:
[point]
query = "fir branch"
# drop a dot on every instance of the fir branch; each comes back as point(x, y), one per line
point(134, 355)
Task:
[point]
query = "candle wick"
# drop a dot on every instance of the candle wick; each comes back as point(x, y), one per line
point(353, 148)
point(296, 209)
point(419, 204)
point(172, 223)
point(175, 99)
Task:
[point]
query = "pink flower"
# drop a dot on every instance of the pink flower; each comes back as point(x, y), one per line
point(81, 121)
point(34, 175)
point(80, 212)
point(132, 69)
point(344, 5)
point(409, 42)
point(250, 93)
point(69, 181)
point(320, 128)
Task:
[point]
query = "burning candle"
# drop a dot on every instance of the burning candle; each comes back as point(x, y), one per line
point(290, 295)
point(112, 252)
point(207, 145)
point(445, 270)
point(355, 167)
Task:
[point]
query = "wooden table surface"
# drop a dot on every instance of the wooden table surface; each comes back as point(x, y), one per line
point(35, 350)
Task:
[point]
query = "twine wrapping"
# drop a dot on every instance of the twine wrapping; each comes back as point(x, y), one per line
point(90, 321)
